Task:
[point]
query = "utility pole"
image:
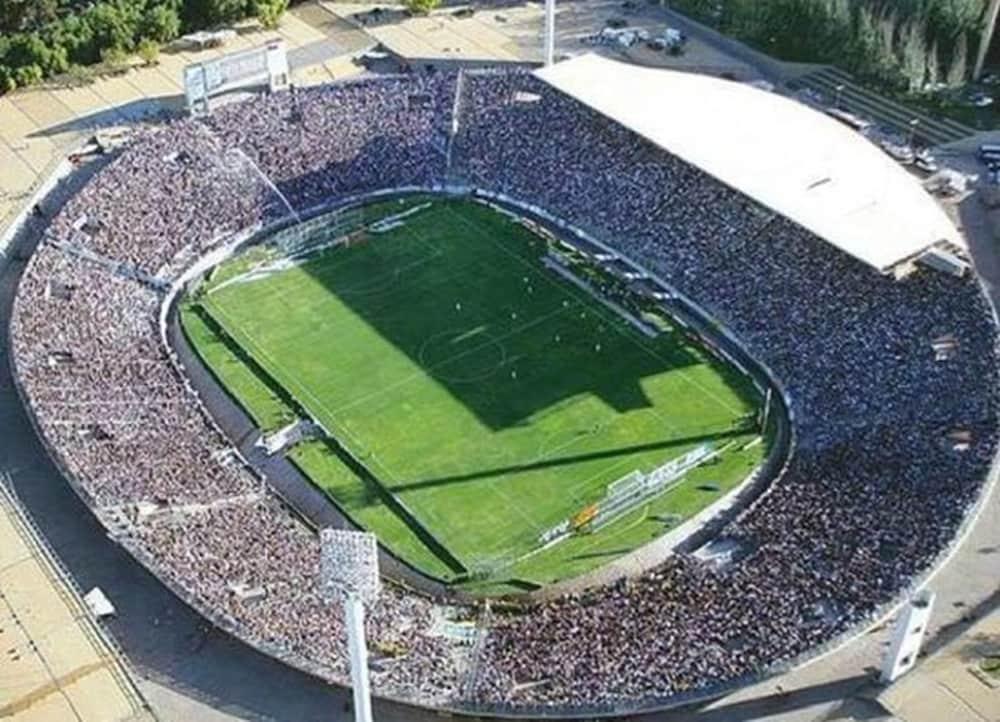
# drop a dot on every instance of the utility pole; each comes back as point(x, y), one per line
point(989, 28)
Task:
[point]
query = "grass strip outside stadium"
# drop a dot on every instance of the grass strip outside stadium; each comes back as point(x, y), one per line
point(480, 399)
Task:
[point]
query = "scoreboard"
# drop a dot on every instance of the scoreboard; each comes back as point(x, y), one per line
point(268, 63)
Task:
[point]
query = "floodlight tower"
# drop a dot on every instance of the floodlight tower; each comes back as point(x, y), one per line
point(348, 572)
point(550, 31)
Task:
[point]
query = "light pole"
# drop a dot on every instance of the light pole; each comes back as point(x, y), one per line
point(550, 31)
point(840, 90)
point(348, 574)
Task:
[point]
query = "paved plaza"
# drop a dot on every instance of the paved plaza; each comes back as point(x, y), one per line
point(56, 663)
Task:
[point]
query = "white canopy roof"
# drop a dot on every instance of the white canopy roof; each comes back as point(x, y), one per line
point(783, 154)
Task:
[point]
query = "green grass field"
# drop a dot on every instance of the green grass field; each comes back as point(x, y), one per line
point(485, 398)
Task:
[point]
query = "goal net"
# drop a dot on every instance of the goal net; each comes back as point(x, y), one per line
point(317, 233)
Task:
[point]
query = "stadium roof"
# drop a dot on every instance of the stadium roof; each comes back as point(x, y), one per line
point(783, 154)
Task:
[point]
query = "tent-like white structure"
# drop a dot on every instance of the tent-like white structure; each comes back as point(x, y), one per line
point(99, 604)
point(795, 160)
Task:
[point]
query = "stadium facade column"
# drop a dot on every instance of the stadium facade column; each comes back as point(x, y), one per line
point(907, 637)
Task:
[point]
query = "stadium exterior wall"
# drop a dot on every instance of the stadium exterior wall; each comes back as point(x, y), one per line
point(501, 711)
point(69, 590)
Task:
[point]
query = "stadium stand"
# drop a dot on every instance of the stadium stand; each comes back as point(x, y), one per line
point(875, 488)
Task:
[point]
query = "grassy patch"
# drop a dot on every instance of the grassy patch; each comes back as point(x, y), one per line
point(233, 369)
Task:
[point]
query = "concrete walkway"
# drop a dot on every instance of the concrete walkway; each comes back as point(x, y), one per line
point(58, 663)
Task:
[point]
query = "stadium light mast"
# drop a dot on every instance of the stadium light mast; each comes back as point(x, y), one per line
point(348, 574)
point(550, 31)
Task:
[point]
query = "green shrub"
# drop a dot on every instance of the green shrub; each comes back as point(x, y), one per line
point(269, 12)
point(79, 75)
point(421, 7)
point(28, 75)
point(7, 81)
point(114, 58)
point(148, 49)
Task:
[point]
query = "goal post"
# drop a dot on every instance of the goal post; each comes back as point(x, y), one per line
point(327, 229)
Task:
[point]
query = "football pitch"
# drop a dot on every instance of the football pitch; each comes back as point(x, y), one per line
point(474, 398)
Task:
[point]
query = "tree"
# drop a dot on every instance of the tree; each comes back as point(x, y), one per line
point(55, 35)
point(959, 67)
point(888, 41)
point(269, 12)
point(57, 62)
point(161, 23)
point(26, 15)
point(864, 53)
point(421, 7)
point(839, 26)
point(75, 35)
point(933, 71)
point(31, 49)
point(114, 24)
point(201, 13)
point(913, 55)
point(886, 63)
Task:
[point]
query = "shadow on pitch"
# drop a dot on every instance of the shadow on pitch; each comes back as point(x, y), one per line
point(564, 460)
point(489, 323)
point(602, 555)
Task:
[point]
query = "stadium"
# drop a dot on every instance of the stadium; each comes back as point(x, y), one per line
point(637, 417)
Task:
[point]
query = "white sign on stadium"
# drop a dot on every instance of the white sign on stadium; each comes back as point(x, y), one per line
point(247, 67)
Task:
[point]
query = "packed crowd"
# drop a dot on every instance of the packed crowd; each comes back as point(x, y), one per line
point(257, 567)
point(327, 142)
point(875, 489)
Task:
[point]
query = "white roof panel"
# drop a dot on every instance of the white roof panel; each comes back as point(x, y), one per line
point(783, 154)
